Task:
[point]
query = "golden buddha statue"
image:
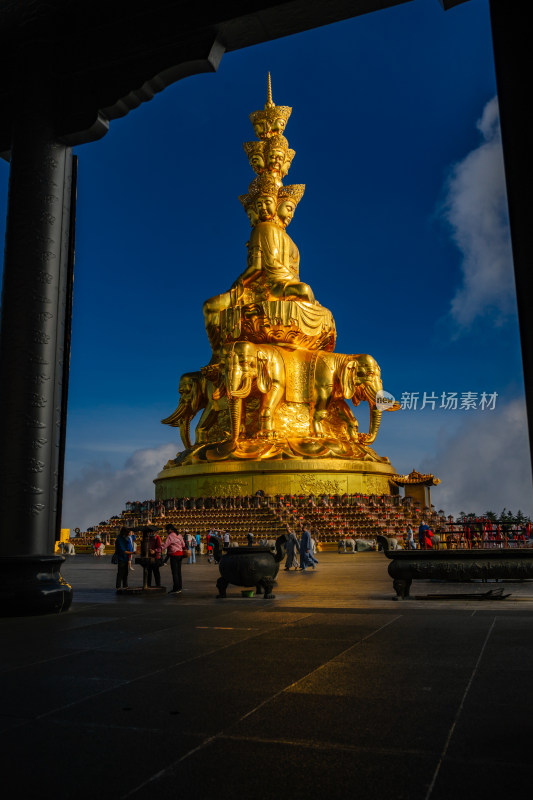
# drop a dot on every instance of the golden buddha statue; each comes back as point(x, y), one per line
point(267, 301)
point(274, 388)
point(273, 258)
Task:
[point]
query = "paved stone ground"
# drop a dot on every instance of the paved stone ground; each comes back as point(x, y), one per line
point(331, 690)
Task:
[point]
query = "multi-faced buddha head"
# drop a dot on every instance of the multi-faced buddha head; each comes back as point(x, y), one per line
point(263, 192)
point(256, 155)
point(276, 159)
point(288, 199)
point(260, 123)
point(287, 163)
point(271, 121)
point(276, 154)
point(265, 206)
point(278, 119)
point(270, 158)
point(286, 210)
point(249, 207)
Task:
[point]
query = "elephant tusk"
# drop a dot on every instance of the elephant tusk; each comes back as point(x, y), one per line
point(244, 389)
point(175, 418)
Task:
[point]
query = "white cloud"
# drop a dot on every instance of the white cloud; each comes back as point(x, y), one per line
point(485, 465)
point(101, 491)
point(476, 208)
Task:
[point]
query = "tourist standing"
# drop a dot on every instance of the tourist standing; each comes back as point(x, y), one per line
point(191, 544)
point(292, 548)
point(122, 557)
point(210, 534)
point(430, 537)
point(155, 549)
point(411, 545)
point(422, 528)
point(175, 547)
point(226, 538)
point(250, 538)
point(132, 539)
point(306, 555)
point(198, 544)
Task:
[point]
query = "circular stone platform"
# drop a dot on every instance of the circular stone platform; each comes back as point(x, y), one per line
point(306, 476)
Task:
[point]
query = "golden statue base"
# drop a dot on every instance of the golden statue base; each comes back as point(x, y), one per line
point(295, 477)
point(309, 326)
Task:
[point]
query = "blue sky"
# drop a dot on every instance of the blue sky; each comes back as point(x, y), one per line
point(402, 234)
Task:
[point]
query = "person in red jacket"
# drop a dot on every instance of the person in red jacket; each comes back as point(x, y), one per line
point(175, 547)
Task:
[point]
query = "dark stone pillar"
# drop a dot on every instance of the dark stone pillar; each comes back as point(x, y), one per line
point(512, 58)
point(31, 367)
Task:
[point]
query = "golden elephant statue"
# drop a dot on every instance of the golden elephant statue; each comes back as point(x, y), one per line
point(197, 391)
point(250, 369)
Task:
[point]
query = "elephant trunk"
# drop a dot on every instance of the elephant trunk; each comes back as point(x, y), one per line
point(375, 421)
point(371, 388)
point(235, 409)
point(185, 427)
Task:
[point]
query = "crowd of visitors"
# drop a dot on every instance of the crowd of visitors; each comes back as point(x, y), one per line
point(253, 518)
point(341, 520)
point(300, 554)
point(307, 523)
point(470, 534)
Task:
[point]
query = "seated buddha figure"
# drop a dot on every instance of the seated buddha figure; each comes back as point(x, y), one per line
point(273, 258)
point(272, 270)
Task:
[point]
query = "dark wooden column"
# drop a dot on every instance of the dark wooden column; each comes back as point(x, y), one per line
point(32, 342)
point(512, 57)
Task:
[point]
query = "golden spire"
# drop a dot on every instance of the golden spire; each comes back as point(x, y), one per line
point(269, 103)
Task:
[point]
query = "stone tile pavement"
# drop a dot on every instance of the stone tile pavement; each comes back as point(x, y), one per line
point(333, 689)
